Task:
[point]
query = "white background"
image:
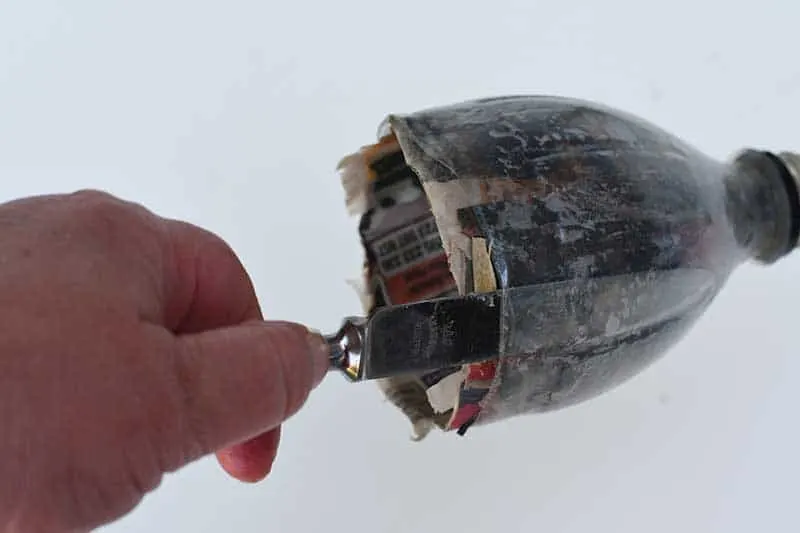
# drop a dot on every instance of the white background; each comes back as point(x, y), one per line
point(233, 114)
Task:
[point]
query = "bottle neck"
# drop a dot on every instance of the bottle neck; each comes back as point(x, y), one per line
point(763, 203)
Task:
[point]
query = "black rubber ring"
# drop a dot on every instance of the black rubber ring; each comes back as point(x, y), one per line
point(794, 196)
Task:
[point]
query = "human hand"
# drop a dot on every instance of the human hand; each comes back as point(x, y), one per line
point(130, 346)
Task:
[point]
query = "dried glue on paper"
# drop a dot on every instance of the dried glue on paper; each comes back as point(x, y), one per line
point(405, 261)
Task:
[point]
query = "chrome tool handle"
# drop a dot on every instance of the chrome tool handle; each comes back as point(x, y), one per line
point(347, 347)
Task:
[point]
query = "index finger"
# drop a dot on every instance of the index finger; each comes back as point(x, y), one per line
point(206, 285)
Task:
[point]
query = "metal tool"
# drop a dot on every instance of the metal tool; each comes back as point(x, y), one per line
point(417, 337)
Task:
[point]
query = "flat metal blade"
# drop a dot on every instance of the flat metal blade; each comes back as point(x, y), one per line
point(429, 335)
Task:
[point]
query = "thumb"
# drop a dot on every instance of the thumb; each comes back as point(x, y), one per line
point(241, 381)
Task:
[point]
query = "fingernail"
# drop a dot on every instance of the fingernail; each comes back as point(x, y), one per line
point(320, 354)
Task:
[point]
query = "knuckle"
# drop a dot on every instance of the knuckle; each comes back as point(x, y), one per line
point(93, 206)
point(96, 215)
point(218, 248)
point(91, 195)
point(105, 222)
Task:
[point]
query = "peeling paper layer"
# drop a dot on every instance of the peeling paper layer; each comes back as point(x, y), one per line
point(404, 262)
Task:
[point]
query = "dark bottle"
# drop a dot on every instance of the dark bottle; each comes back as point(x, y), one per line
point(608, 237)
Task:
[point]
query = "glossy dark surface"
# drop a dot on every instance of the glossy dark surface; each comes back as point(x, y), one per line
point(619, 214)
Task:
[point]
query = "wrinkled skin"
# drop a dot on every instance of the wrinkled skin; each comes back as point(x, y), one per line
point(130, 346)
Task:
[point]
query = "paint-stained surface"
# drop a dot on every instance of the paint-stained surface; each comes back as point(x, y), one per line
point(608, 236)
